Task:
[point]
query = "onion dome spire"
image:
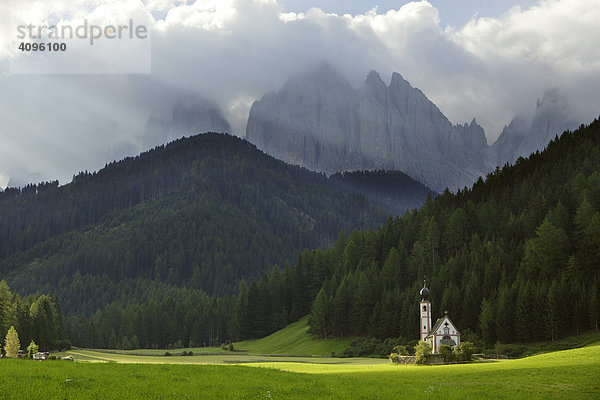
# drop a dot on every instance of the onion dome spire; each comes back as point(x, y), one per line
point(424, 292)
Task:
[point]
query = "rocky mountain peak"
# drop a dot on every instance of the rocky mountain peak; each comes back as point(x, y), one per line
point(320, 122)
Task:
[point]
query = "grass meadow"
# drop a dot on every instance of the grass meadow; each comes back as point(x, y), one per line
point(294, 339)
point(572, 374)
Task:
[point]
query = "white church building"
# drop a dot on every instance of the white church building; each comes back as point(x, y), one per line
point(442, 332)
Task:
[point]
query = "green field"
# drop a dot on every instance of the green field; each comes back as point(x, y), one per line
point(569, 374)
point(293, 339)
point(215, 358)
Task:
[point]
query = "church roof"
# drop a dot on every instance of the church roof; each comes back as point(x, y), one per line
point(439, 322)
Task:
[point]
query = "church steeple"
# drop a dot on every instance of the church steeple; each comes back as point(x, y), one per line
point(424, 292)
point(424, 312)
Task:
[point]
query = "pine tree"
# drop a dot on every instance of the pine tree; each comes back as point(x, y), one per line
point(456, 234)
point(319, 316)
point(547, 252)
point(594, 307)
point(487, 321)
point(552, 311)
point(524, 311)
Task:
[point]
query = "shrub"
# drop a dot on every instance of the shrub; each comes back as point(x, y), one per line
point(422, 350)
point(63, 344)
point(446, 353)
point(511, 350)
point(400, 350)
point(32, 349)
point(464, 351)
point(371, 347)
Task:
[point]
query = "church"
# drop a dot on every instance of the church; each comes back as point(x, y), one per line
point(442, 332)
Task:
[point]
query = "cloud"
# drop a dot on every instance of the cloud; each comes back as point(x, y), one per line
point(234, 51)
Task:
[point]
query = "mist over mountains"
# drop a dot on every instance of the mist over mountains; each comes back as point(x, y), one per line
point(319, 121)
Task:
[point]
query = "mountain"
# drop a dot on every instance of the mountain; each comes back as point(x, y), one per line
point(526, 135)
point(201, 213)
point(319, 121)
point(188, 116)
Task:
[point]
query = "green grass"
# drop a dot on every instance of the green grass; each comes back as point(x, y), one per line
point(225, 358)
point(571, 342)
point(294, 339)
point(569, 374)
point(161, 352)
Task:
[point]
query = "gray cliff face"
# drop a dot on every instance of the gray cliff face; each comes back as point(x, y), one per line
point(524, 136)
point(319, 121)
point(307, 121)
point(188, 117)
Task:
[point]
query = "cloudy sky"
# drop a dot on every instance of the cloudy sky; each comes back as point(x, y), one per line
point(488, 60)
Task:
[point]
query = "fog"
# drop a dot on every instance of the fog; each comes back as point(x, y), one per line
point(233, 52)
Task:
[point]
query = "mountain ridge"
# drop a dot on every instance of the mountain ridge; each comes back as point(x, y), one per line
point(319, 121)
point(201, 212)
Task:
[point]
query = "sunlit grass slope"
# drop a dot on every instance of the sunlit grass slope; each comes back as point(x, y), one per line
point(571, 374)
point(294, 339)
point(215, 358)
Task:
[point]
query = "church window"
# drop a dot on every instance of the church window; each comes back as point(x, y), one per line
point(424, 308)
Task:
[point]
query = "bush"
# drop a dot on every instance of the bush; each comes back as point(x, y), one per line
point(400, 350)
point(63, 344)
point(32, 349)
point(371, 347)
point(167, 354)
point(464, 351)
point(422, 350)
point(394, 357)
point(446, 353)
point(511, 350)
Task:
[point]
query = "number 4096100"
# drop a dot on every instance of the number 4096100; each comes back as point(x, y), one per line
point(43, 46)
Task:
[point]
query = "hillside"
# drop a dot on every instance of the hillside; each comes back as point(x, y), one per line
point(514, 259)
point(180, 224)
point(393, 191)
point(294, 339)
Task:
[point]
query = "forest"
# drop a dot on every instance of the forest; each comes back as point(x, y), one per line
point(515, 258)
point(36, 318)
point(181, 224)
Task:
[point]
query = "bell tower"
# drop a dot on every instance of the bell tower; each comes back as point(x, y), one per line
point(424, 312)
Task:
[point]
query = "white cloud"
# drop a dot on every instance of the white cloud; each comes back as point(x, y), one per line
point(234, 51)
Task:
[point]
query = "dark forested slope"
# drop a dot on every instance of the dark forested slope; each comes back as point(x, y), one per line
point(202, 213)
point(515, 258)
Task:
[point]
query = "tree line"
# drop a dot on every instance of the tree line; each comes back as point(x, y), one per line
point(36, 318)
